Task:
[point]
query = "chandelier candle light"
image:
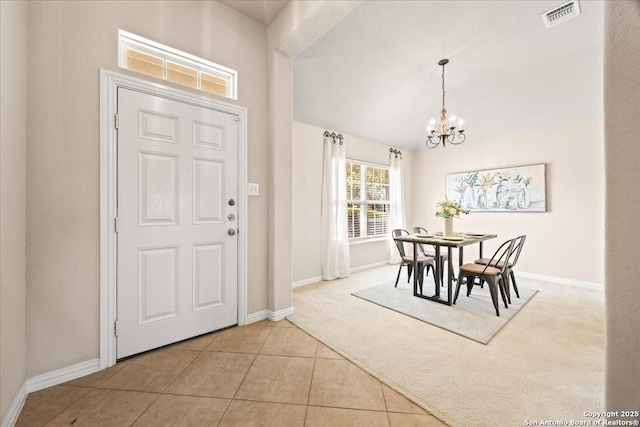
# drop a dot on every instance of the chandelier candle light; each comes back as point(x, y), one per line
point(446, 129)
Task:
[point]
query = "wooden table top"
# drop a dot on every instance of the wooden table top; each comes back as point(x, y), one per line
point(467, 239)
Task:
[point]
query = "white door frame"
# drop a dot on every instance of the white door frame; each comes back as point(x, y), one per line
point(109, 83)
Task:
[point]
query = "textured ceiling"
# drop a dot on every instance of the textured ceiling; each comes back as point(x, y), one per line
point(375, 75)
point(263, 11)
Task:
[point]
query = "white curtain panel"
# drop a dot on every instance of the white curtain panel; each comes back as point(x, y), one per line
point(397, 217)
point(334, 228)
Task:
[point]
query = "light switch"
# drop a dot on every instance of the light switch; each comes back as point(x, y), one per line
point(253, 189)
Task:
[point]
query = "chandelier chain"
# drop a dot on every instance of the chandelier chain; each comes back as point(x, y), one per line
point(443, 86)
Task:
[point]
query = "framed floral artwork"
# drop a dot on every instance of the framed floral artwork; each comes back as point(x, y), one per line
point(511, 189)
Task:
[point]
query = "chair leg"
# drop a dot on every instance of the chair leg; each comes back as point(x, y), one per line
point(505, 285)
point(471, 280)
point(410, 268)
point(455, 297)
point(398, 277)
point(429, 266)
point(494, 295)
point(502, 292)
point(441, 271)
point(453, 275)
point(513, 281)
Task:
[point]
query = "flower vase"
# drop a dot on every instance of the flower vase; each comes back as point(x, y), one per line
point(524, 199)
point(447, 229)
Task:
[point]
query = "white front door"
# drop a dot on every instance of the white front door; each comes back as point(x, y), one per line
point(177, 217)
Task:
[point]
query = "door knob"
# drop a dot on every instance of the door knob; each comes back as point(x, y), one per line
point(232, 232)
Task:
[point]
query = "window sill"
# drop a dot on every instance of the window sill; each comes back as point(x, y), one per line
point(359, 240)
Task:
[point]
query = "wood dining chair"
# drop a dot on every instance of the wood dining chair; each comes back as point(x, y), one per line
point(493, 276)
point(426, 252)
point(512, 261)
point(407, 259)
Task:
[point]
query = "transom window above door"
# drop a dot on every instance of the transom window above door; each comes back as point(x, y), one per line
point(368, 203)
point(154, 59)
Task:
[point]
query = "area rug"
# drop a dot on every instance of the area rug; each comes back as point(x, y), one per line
point(472, 317)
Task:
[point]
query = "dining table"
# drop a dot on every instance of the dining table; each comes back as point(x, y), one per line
point(459, 241)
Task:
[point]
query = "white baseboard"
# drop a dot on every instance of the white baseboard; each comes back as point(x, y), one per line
point(257, 316)
point(43, 381)
point(315, 279)
point(308, 281)
point(62, 375)
point(274, 316)
point(15, 408)
point(369, 266)
point(560, 280)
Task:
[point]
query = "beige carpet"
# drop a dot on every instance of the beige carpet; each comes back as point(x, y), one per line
point(546, 364)
point(472, 317)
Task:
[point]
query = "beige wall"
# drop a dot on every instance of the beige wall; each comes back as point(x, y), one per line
point(298, 25)
point(622, 127)
point(564, 242)
point(575, 192)
point(69, 41)
point(307, 190)
point(13, 141)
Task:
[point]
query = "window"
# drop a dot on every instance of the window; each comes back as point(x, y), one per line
point(145, 56)
point(367, 200)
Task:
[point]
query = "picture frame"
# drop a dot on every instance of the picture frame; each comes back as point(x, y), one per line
point(508, 189)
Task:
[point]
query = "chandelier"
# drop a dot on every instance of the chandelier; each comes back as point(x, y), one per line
point(446, 129)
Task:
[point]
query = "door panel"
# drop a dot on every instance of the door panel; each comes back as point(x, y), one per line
point(208, 195)
point(159, 189)
point(208, 274)
point(157, 283)
point(177, 263)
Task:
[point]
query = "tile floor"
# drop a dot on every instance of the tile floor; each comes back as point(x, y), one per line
point(263, 374)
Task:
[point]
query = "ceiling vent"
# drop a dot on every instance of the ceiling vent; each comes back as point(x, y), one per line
point(561, 14)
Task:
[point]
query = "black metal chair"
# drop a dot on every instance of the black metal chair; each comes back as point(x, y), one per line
point(493, 276)
point(407, 260)
point(443, 256)
point(512, 261)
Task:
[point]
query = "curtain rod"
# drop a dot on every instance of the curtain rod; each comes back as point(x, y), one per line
point(398, 153)
point(334, 136)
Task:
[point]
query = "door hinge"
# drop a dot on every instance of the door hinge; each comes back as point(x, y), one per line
point(117, 121)
point(115, 328)
point(237, 119)
point(116, 224)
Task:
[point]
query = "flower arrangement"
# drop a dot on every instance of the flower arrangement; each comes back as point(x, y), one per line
point(450, 209)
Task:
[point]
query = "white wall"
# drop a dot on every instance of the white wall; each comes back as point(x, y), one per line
point(567, 240)
point(307, 191)
point(69, 41)
point(622, 126)
point(13, 113)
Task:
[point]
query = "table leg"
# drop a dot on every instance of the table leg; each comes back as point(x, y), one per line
point(438, 274)
point(450, 277)
point(480, 250)
point(415, 269)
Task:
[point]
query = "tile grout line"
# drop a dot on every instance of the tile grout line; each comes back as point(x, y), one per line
point(245, 377)
point(184, 369)
point(61, 412)
point(313, 371)
point(384, 399)
point(354, 409)
point(167, 387)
